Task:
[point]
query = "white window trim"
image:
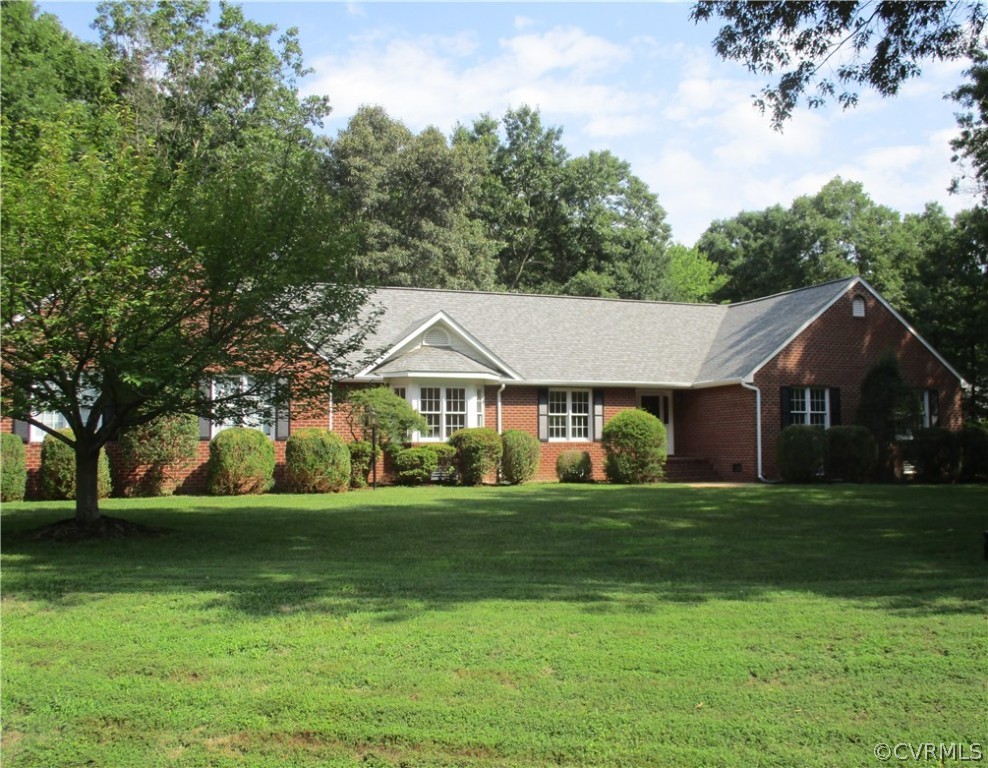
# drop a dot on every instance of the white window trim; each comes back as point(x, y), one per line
point(55, 419)
point(807, 404)
point(256, 421)
point(569, 438)
point(473, 393)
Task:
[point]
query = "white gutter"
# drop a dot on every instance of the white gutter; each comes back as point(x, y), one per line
point(758, 427)
point(499, 408)
point(331, 408)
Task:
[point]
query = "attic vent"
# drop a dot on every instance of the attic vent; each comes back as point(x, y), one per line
point(858, 306)
point(437, 337)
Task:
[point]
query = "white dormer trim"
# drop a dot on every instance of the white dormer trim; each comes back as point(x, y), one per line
point(442, 319)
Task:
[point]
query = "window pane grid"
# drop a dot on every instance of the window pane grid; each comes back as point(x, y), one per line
point(569, 414)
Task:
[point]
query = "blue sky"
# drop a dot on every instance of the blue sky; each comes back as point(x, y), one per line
point(638, 79)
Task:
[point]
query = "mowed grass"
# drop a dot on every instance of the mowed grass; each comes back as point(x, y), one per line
point(531, 626)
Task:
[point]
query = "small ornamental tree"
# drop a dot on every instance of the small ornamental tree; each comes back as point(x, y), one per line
point(13, 471)
point(519, 457)
point(316, 461)
point(889, 408)
point(801, 453)
point(58, 469)
point(574, 467)
point(389, 414)
point(156, 448)
point(635, 444)
point(241, 461)
point(478, 451)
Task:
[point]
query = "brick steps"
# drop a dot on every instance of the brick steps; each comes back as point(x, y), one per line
point(686, 469)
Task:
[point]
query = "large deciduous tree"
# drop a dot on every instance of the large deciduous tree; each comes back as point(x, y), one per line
point(149, 245)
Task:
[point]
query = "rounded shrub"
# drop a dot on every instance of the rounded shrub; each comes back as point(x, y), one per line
point(360, 462)
point(635, 446)
point(519, 456)
point(801, 453)
point(478, 451)
point(936, 454)
point(241, 461)
point(445, 461)
point(414, 466)
point(974, 452)
point(153, 450)
point(58, 469)
point(852, 453)
point(316, 461)
point(13, 469)
point(574, 467)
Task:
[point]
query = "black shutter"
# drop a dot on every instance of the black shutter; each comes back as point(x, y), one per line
point(785, 405)
point(835, 419)
point(543, 413)
point(597, 429)
point(22, 429)
point(205, 428)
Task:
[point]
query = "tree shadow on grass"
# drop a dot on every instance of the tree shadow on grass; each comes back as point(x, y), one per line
point(399, 552)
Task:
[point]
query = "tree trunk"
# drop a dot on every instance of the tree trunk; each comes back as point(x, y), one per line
point(86, 486)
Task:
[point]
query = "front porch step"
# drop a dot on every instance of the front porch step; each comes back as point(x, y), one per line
point(687, 469)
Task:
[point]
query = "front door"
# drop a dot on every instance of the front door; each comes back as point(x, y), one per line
point(659, 404)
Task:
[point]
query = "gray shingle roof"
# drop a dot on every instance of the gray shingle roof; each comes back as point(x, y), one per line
point(572, 340)
point(435, 360)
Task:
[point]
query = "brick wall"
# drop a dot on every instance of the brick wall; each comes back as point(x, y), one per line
point(837, 350)
point(718, 424)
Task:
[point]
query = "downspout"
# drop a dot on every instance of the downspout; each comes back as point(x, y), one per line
point(499, 407)
point(758, 428)
point(330, 407)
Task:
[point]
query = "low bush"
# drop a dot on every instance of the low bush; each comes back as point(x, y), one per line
point(478, 452)
point(635, 444)
point(519, 457)
point(801, 453)
point(154, 449)
point(58, 470)
point(574, 467)
point(852, 454)
point(445, 462)
point(241, 462)
point(414, 466)
point(316, 461)
point(13, 470)
point(936, 455)
point(974, 452)
point(360, 463)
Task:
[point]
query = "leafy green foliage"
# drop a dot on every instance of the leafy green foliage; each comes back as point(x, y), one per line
point(974, 452)
point(635, 445)
point(414, 466)
point(478, 452)
point(971, 145)
point(13, 469)
point(877, 45)
point(801, 453)
point(361, 455)
point(380, 408)
point(889, 409)
point(574, 467)
point(316, 461)
point(936, 454)
point(691, 277)
point(155, 449)
point(241, 461)
point(58, 469)
point(852, 453)
point(519, 456)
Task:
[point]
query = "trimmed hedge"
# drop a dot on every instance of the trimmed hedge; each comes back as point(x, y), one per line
point(360, 462)
point(936, 454)
point(801, 453)
point(519, 457)
point(635, 444)
point(241, 462)
point(974, 452)
point(157, 447)
point(58, 470)
point(852, 454)
point(574, 467)
point(316, 461)
point(478, 452)
point(13, 468)
point(414, 466)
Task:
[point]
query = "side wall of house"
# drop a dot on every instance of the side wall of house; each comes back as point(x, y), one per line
point(837, 350)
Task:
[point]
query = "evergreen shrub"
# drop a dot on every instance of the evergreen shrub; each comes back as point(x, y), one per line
point(852, 453)
point(241, 462)
point(156, 448)
point(974, 452)
point(414, 466)
point(316, 461)
point(13, 468)
point(360, 462)
point(519, 457)
point(478, 452)
point(801, 453)
point(58, 470)
point(574, 467)
point(635, 446)
point(936, 454)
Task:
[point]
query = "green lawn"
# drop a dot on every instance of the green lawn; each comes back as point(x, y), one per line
point(532, 626)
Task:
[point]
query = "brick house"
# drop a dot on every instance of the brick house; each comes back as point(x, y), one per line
point(725, 379)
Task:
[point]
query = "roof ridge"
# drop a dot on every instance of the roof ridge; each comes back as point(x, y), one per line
point(523, 295)
point(848, 280)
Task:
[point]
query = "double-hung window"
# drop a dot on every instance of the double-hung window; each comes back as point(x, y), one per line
point(445, 409)
point(261, 414)
point(813, 406)
point(569, 414)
